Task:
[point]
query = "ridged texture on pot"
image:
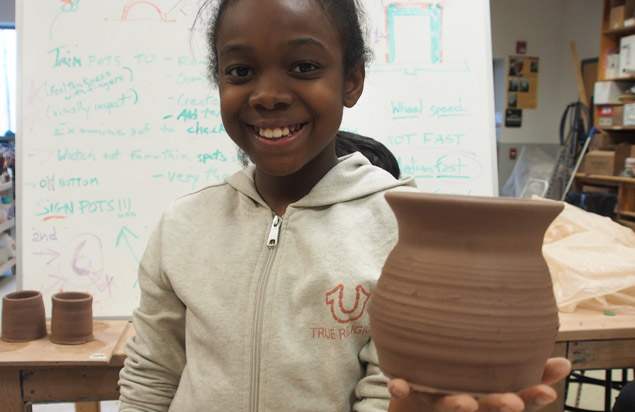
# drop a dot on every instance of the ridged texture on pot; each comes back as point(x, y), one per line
point(23, 317)
point(465, 301)
point(72, 318)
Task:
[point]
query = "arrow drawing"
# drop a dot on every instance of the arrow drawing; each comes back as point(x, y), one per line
point(48, 252)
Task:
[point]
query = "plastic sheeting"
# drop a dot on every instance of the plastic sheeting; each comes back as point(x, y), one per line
point(592, 262)
point(532, 164)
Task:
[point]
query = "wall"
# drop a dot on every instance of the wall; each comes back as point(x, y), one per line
point(583, 24)
point(7, 11)
point(548, 27)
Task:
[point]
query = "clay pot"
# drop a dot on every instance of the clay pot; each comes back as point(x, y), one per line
point(72, 318)
point(465, 300)
point(23, 317)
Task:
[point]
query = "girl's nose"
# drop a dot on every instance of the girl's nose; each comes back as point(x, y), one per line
point(270, 93)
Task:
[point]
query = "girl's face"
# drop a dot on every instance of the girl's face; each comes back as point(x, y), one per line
point(282, 84)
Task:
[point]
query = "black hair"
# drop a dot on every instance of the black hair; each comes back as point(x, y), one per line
point(374, 151)
point(346, 16)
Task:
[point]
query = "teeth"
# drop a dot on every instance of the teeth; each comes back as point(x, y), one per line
point(276, 132)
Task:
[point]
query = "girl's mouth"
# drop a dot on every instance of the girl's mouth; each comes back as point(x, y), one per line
point(277, 132)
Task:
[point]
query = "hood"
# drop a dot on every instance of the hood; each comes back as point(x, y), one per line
point(352, 178)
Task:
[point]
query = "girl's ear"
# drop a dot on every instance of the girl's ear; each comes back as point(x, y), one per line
point(354, 85)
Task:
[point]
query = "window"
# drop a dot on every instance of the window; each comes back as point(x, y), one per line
point(8, 80)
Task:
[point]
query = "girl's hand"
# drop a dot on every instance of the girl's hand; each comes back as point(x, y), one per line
point(528, 400)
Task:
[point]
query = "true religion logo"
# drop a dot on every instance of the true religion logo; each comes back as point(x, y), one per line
point(335, 299)
point(344, 314)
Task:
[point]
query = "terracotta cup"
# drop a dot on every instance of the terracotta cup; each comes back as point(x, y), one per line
point(23, 317)
point(465, 301)
point(72, 318)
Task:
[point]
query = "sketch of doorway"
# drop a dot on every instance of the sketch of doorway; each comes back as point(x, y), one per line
point(414, 33)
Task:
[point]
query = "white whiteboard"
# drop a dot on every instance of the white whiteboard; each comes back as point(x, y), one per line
point(117, 119)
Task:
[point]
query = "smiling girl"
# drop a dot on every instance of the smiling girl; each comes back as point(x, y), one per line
point(254, 291)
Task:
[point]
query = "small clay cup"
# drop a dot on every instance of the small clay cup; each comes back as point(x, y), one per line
point(23, 317)
point(72, 318)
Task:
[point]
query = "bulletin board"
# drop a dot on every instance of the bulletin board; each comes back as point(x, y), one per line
point(117, 119)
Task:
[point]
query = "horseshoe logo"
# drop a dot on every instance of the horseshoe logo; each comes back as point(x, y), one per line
point(342, 314)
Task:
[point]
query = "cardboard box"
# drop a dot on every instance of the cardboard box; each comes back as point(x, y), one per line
point(622, 151)
point(605, 141)
point(610, 115)
point(627, 56)
point(612, 68)
point(629, 115)
point(617, 17)
point(629, 10)
point(609, 92)
point(602, 141)
point(599, 162)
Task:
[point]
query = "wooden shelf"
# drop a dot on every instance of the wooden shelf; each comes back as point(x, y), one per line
point(602, 179)
point(618, 128)
point(623, 187)
point(617, 79)
point(627, 223)
point(622, 31)
point(618, 103)
point(6, 266)
point(6, 186)
point(6, 225)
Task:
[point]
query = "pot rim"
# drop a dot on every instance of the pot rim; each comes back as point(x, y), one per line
point(491, 201)
point(22, 295)
point(72, 296)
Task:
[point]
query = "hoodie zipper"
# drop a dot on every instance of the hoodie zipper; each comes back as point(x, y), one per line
point(256, 334)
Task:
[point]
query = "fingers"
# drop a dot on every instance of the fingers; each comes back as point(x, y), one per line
point(556, 369)
point(405, 399)
point(398, 388)
point(527, 400)
point(456, 403)
point(537, 397)
point(508, 402)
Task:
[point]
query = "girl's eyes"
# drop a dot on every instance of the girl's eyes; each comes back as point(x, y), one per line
point(242, 73)
point(304, 67)
point(239, 71)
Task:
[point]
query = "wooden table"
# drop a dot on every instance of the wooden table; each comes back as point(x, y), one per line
point(40, 371)
point(592, 340)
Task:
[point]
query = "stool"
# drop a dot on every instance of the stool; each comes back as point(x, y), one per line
point(608, 384)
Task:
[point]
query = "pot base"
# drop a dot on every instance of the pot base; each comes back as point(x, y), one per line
point(436, 391)
point(79, 341)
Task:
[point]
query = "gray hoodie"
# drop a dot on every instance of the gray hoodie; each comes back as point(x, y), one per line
point(242, 310)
